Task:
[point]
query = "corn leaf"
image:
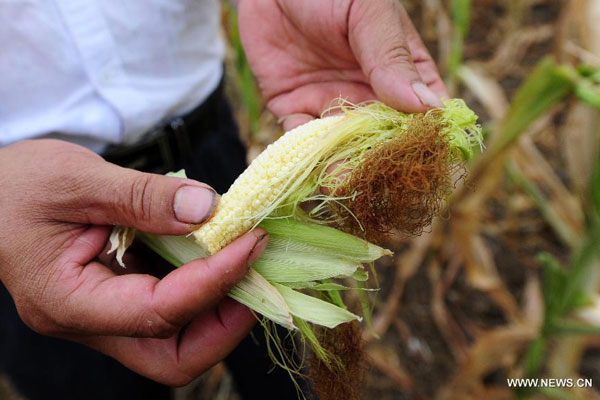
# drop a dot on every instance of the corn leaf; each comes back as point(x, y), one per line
point(255, 292)
point(588, 93)
point(461, 18)
point(579, 270)
point(314, 310)
point(595, 185)
point(177, 250)
point(564, 327)
point(277, 264)
point(545, 86)
point(335, 243)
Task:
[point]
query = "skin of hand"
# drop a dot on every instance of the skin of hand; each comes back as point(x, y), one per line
point(307, 53)
point(58, 202)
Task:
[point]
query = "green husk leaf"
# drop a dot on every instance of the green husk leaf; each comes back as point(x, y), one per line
point(178, 174)
point(361, 275)
point(309, 335)
point(328, 240)
point(277, 264)
point(314, 310)
point(177, 250)
point(336, 286)
point(255, 292)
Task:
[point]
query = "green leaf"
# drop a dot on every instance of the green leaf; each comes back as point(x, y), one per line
point(546, 85)
point(309, 335)
point(259, 295)
point(553, 284)
point(335, 242)
point(314, 310)
point(566, 327)
point(558, 223)
point(559, 394)
point(360, 275)
point(179, 174)
point(286, 261)
point(579, 269)
point(336, 298)
point(324, 286)
point(595, 185)
point(535, 355)
point(581, 299)
point(588, 93)
point(177, 250)
point(461, 18)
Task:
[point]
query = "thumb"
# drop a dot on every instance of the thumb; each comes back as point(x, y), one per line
point(149, 202)
point(379, 41)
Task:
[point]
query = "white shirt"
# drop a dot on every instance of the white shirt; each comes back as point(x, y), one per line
point(104, 71)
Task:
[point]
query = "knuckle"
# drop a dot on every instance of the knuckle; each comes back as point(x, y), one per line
point(154, 324)
point(140, 197)
point(224, 279)
point(398, 54)
point(160, 328)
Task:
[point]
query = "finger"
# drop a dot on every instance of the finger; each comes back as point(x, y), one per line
point(422, 59)
point(231, 323)
point(379, 41)
point(314, 98)
point(105, 194)
point(176, 361)
point(99, 302)
point(289, 122)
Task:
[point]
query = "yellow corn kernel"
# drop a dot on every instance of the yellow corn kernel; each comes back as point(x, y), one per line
point(255, 190)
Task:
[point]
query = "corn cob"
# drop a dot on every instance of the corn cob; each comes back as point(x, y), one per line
point(258, 187)
point(290, 171)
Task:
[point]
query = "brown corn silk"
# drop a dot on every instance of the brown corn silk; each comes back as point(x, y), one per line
point(344, 379)
point(400, 184)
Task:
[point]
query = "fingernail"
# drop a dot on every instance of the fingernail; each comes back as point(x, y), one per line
point(257, 249)
point(194, 204)
point(426, 95)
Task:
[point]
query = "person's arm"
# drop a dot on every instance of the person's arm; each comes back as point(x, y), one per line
point(58, 202)
point(307, 53)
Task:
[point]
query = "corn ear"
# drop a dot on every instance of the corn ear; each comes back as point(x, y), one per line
point(257, 189)
point(291, 170)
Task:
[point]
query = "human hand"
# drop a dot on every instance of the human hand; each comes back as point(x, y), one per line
point(307, 53)
point(58, 201)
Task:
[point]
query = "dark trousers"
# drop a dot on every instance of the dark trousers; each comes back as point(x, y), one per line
point(45, 368)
